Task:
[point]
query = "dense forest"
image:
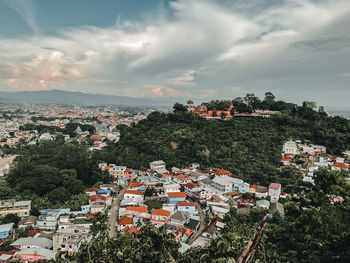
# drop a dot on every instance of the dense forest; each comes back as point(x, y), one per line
point(52, 173)
point(250, 147)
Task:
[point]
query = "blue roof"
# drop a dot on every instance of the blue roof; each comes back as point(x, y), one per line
point(103, 192)
point(122, 178)
point(263, 202)
point(6, 227)
point(142, 188)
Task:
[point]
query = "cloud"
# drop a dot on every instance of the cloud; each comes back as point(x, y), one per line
point(203, 48)
point(26, 10)
point(153, 91)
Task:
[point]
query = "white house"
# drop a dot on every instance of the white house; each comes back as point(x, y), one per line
point(275, 191)
point(290, 147)
point(134, 195)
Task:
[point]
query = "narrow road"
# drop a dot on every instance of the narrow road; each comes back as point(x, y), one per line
point(202, 225)
point(113, 212)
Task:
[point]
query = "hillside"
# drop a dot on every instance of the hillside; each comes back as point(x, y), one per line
point(78, 98)
point(249, 147)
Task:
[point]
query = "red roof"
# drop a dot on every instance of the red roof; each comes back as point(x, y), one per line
point(160, 212)
point(186, 203)
point(253, 186)
point(140, 209)
point(222, 172)
point(33, 232)
point(341, 165)
point(275, 185)
point(96, 197)
point(216, 198)
point(183, 177)
point(131, 230)
point(191, 185)
point(92, 189)
point(125, 221)
point(134, 184)
point(132, 192)
point(176, 194)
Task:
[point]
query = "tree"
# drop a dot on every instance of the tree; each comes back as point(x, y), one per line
point(60, 194)
point(269, 97)
point(178, 108)
point(11, 218)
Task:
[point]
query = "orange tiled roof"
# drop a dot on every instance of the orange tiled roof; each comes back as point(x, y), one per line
point(132, 192)
point(140, 209)
point(191, 185)
point(125, 221)
point(341, 165)
point(186, 203)
point(176, 194)
point(134, 184)
point(160, 212)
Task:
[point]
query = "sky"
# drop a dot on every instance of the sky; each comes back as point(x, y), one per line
point(200, 49)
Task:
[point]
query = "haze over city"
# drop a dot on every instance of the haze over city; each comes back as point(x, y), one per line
point(297, 49)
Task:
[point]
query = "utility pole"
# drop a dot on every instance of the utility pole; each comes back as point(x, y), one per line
point(250, 249)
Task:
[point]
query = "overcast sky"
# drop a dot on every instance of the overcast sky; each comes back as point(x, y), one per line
point(297, 49)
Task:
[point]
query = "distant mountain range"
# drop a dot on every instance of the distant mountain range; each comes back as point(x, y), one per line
point(83, 99)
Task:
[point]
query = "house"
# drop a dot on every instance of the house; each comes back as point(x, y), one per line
point(117, 171)
point(210, 231)
point(48, 220)
point(340, 166)
point(171, 187)
point(180, 218)
point(91, 191)
point(159, 167)
point(136, 211)
point(68, 240)
point(193, 224)
point(134, 186)
point(222, 172)
point(160, 216)
point(132, 194)
point(125, 222)
point(145, 179)
point(32, 242)
point(182, 179)
point(188, 207)
point(290, 147)
point(263, 203)
point(240, 185)
point(222, 184)
point(98, 207)
point(122, 181)
point(275, 191)
point(27, 221)
point(129, 174)
point(174, 197)
point(6, 230)
point(35, 254)
point(319, 148)
point(261, 192)
point(192, 190)
point(219, 211)
point(19, 208)
point(169, 207)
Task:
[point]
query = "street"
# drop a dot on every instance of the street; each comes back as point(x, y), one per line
point(113, 213)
